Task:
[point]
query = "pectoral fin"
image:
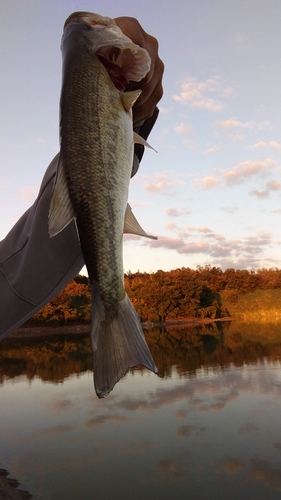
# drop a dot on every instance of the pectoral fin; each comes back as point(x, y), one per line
point(61, 211)
point(132, 226)
point(139, 140)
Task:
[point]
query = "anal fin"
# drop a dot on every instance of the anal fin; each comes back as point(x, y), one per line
point(132, 226)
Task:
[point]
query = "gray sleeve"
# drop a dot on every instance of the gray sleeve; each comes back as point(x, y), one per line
point(33, 267)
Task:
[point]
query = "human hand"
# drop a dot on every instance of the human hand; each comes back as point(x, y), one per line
point(151, 84)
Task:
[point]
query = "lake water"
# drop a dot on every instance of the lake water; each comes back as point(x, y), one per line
point(209, 427)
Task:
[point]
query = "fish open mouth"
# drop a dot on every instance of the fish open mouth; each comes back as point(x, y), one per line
point(113, 60)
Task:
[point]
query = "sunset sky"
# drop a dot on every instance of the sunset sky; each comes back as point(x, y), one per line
point(212, 193)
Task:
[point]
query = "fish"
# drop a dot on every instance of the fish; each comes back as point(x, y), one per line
point(92, 182)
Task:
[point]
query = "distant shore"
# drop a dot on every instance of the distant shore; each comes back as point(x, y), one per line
point(47, 330)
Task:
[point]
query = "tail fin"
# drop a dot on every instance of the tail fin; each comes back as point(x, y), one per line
point(117, 344)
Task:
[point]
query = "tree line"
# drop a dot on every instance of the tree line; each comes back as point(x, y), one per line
point(207, 292)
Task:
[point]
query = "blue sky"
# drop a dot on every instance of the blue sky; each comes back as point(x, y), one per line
point(212, 193)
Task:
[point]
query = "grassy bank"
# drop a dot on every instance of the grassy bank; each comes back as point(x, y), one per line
point(260, 305)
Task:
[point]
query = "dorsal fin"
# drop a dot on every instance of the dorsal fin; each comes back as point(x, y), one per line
point(129, 98)
point(61, 211)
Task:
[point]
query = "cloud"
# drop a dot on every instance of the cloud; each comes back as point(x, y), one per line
point(234, 123)
point(165, 111)
point(62, 405)
point(139, 447)
point(263, 144)
point(180, 245)
point(174, 212)
point(244, 251)
point(186, 132)
point(216, 148)
point(163, 138)
point(138, 203)
point(175, 468)
point(229, 209)
point(245, 169)
point(202, 229)
point(265, 125)
point(265, 193)
point(249, 428)
point(273, 185)
point(229, 465)
point(202, 395)
point(27, 194)
point(232, 127)
point(208, 182)
point(200, 94)
point(187, 430)
point(171, 225)
point(56, 430)
point(238, 174)
point(267, 473)
point(103, 419)
point(162, 183)
point(260, 193)
point(183, 129)
point(181, 414)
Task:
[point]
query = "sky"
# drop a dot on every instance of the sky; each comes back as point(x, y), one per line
point(212, 192)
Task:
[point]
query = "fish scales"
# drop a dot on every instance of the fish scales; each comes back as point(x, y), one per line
point(92, 182)
point(89, 117)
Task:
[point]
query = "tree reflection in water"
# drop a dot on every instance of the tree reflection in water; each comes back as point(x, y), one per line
point(55, 357)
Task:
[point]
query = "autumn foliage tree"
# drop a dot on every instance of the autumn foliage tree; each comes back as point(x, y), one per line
point(207, 292)
point(73, 303)
point(164, 295)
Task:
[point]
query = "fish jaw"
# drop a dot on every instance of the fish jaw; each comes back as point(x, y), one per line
point(90, 18)
point(109, 42)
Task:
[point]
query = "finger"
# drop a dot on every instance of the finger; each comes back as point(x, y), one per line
point(131, 28)
point(146, 109)
point(151, 84)
point(151, 94)
point(148, 84)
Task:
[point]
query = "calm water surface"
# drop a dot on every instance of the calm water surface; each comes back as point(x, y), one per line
point(207, 428)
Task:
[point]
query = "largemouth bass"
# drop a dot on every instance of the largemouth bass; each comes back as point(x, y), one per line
point(92, 182)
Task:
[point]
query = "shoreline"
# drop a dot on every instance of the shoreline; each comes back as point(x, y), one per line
point(47, 330)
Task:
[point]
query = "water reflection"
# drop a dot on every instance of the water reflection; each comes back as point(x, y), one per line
point(208, 427)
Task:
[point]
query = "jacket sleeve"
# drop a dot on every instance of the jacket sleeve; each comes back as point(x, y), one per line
point(33, 267)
